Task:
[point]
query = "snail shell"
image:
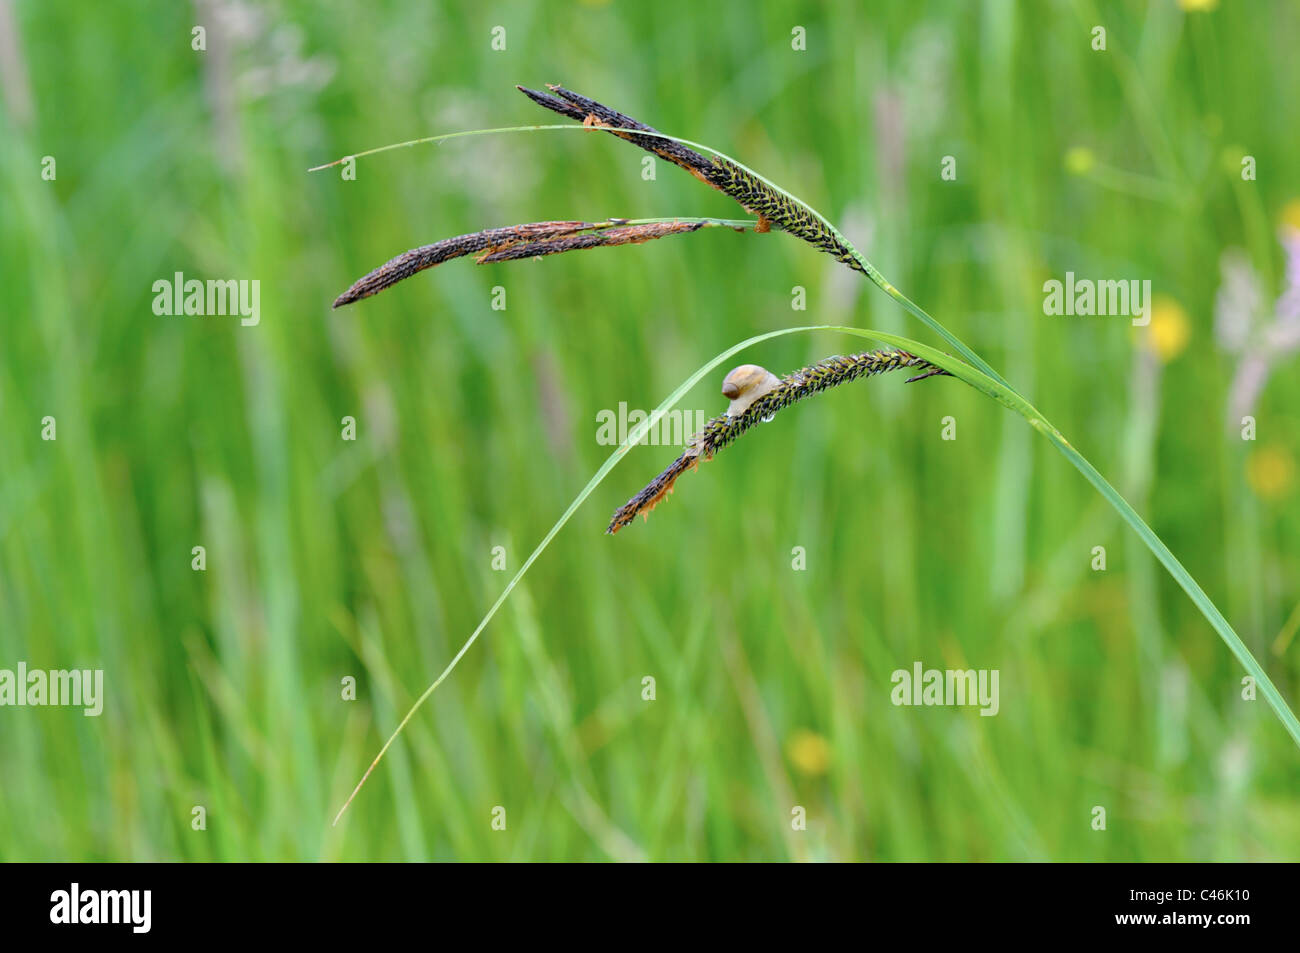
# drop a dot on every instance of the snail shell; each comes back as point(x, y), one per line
point(746, 384)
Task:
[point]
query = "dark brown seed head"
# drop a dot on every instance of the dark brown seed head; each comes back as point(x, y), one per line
point(725, 429)
point(418, 259)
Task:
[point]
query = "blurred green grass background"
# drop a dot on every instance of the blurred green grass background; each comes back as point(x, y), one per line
point(476, 427)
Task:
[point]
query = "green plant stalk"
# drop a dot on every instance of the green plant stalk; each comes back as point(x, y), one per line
point(977, 373)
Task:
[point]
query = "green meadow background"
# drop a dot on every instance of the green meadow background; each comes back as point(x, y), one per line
point(476, 427)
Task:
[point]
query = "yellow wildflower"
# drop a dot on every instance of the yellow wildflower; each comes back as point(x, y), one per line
point(808, 752)
point(1170, 329)
point(1270, 473)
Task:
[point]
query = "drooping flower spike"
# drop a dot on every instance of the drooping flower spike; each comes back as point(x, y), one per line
point(539, 239)
point(515, 242)
point(772, 206)
point(756, 396)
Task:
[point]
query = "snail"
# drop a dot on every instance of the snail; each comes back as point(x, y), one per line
point(746, 384)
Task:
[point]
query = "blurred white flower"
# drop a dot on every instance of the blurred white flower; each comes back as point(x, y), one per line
point(270, 49)
point(1243, 326)
point(1237, 303)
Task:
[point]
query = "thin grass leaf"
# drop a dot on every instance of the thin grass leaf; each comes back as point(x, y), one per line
point(637, 432)
point(957, 368)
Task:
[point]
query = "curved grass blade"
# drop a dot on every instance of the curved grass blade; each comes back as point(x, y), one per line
point(1012, 399)
point(1000, 392)
point(637, 432)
